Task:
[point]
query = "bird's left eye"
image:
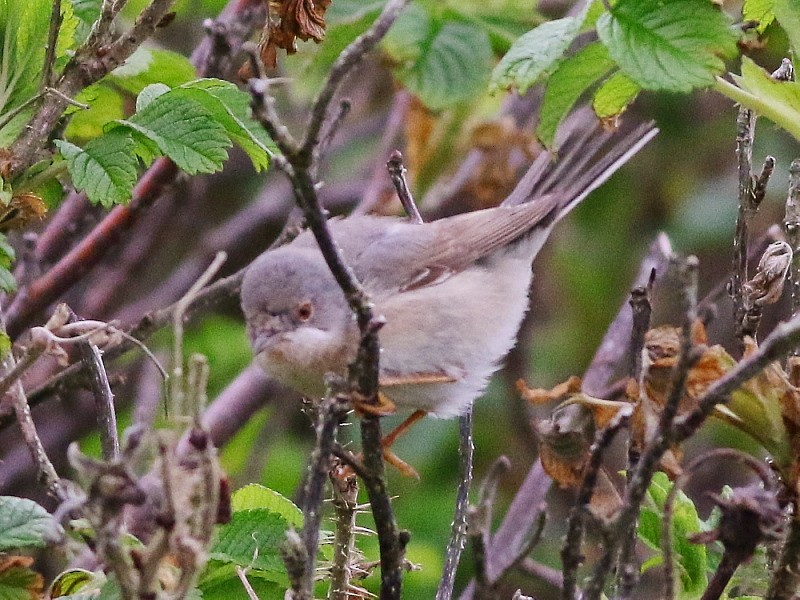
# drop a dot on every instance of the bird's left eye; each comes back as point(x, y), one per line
point(304, 311)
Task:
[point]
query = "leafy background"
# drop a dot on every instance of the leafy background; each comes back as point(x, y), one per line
point(444, 54)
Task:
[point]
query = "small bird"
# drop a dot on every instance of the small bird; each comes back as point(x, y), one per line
point(453, 291)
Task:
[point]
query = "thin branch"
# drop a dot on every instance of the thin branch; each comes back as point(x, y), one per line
point(458, 529)
point(745, 130)
point(242, 574)
point(332, 411)
point(479, 525)
point(52, 40)
point(344, 63)
point(571, 556)
point(641, 310)
point(398, 174)
point(345, 504)
point(103, 400)
point(791, 225)
point(616, 343)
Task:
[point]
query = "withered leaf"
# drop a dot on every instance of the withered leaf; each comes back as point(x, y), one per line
point(22, 209)
point(16, 575)
point(288, 21)
point(541, 396)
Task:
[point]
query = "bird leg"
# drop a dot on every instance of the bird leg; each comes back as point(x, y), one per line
point(386, 443)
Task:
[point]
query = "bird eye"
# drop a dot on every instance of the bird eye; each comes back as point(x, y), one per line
point(303, 311)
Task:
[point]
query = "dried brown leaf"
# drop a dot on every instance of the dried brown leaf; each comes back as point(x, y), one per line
point(541, 396)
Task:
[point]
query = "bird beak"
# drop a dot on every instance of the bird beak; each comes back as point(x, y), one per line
point(263, 329)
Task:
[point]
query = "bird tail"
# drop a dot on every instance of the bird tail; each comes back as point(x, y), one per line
point(588, 155)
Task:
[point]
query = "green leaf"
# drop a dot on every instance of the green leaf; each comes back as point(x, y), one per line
point(105, 169)
point(185, 131)
point(779, 101)
point(567, 83)
point(231, 108)
point(145, 67)
point(73, 581)
point(690, 558)
point(150, 93)
point(226, 585)
point(105, 105)
point(23, 524)
point(788, 14)
point(7, 281)
point(672, 45)
point(18, 582)
point(536, 52)
point(442, 61)
point(614, 96)
point(253, 538)
point(762, 11)
point(255, 496)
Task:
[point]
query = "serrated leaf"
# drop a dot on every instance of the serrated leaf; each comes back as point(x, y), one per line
point(185, 131)
point(455, 67)
point(150, 93)
point(672, 45)
point(442, 61)
point(105, 169)
point(18, 581)
point(231, 108)
point(762, 11)
point(226, 585)
point(253, 538)
point(614, 95)
point(255, 496)
point(567, 83)
point(536, 52)
point(788, 14)
point(23, 523)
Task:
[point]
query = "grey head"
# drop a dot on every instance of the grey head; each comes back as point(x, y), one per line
point(297, 317)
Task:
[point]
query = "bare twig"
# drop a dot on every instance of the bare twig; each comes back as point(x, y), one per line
point(641, 310)
point(625, 523)
point(52, 39)
point(791, 225)
point(571, 556)
point(398, 174)
point(103, 399)
point(242, 574)
point(458, 529)
point(479, 525)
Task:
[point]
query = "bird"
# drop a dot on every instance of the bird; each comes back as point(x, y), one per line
point(452, 291)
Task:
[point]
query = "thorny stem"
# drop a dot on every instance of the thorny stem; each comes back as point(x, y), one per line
point(458, 529)
point(345, 506)
point(571, 557)
point(782, 339)
point(641, 309)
